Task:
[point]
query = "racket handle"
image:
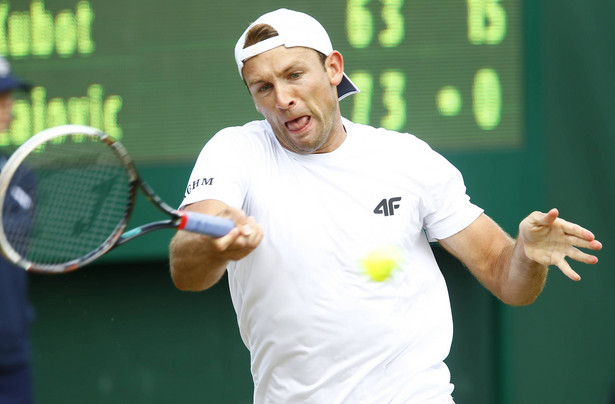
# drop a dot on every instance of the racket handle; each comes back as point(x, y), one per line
point(208, 225)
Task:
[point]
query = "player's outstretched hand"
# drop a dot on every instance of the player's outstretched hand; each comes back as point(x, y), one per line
point(548, 240)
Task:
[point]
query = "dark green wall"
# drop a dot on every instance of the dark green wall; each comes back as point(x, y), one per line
point(560, 350)
point(124, 334)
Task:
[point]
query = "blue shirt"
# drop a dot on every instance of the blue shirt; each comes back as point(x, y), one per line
point(16, 312)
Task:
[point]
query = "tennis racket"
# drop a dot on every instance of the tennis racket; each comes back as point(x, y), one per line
point(66, 196)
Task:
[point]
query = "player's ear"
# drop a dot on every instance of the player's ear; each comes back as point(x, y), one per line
point(334, 64)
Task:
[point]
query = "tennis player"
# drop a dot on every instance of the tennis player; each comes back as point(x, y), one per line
point(16, 312)
point(312, 194)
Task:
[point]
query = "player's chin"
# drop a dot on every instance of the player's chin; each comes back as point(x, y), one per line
point(300, 144)
point(305, 148)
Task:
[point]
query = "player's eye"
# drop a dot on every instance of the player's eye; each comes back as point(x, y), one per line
point(264, 88)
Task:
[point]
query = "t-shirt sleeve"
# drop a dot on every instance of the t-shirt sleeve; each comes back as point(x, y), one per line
point(446, 206)
point(220, 170)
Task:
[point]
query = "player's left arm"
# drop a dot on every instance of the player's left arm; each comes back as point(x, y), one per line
point(515, 270)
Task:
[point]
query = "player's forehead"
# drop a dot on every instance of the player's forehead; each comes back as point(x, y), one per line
point(279, 60)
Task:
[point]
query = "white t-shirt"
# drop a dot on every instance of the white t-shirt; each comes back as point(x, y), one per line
point(318, 329)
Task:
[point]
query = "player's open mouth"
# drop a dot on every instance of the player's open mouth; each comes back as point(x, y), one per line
point(298, 124)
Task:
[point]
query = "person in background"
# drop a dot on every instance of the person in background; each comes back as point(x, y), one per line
point(16, 313)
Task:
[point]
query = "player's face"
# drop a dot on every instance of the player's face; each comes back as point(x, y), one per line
point(6, 110)
point(298, 97)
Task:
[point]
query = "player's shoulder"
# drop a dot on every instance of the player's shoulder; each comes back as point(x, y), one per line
point(394, 141)
point(251, 134)
point(257, 126)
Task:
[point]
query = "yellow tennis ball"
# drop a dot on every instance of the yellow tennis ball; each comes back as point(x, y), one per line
point(380, 263)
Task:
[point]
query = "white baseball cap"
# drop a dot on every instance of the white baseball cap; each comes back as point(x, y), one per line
point(294, 29)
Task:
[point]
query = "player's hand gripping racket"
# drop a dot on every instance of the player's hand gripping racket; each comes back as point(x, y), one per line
point(66, 196)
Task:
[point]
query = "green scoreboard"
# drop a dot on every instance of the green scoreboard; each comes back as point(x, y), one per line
point(160, 75)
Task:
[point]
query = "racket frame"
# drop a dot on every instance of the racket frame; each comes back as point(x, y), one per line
point(14, 162)
point(190, 221)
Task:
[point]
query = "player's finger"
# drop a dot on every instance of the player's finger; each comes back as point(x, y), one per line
point(584, 243)
point(548, 218)
point(257, 234)
point(551, 215)
point(580, 256)
point(540, 219)
point(249, 227)
point(223, 243)
point(574, 229)
point(568, 271)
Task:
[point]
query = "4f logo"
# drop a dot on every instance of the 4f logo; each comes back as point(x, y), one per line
point(387, 206)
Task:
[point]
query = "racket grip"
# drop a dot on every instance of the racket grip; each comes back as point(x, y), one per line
point(208, 225)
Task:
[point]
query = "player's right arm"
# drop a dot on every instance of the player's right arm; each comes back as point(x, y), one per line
point(198, 262)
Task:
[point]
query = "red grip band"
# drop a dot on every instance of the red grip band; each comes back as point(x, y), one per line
point(182, 220)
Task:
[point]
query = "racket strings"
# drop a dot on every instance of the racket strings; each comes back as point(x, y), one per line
point(81, 193)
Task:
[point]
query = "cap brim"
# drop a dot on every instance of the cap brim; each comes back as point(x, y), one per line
point(346, 88)
point(11, 84)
